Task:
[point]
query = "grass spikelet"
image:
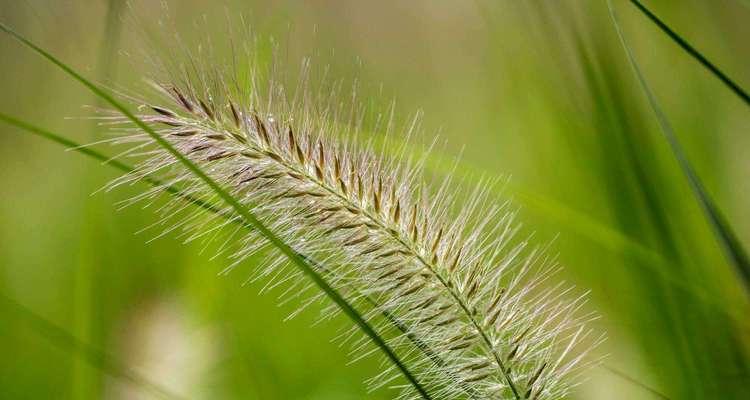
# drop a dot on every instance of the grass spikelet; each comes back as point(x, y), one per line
point(469, 309)
point(452, 280)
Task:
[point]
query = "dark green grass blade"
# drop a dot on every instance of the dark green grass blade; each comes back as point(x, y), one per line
point(241, 210)
point(693, 52)
point(723, 231)
point(61, 338)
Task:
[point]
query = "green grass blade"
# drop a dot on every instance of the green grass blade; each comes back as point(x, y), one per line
point(240, 209)
point(723, 231)
point(61, 338)
point(693, 52)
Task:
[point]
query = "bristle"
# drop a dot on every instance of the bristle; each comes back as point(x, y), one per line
point(206, 109)
point(182, 100)
point(235, 115)
point(164, 112)
point(261, 130)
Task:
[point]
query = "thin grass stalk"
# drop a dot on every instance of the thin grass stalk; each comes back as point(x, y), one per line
point(694, 53)
point(730, 244)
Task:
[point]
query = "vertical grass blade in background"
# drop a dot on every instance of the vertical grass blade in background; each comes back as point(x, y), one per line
point(83, 384)
point(723, 231)
point(295, 258)
point(693, 52)
point(638, 207)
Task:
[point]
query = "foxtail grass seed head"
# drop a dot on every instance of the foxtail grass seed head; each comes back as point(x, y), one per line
point(469, 307)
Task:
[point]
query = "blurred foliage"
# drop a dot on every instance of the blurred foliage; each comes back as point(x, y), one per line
point(537, 90)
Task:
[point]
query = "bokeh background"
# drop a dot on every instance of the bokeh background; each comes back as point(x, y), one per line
point(538, 91)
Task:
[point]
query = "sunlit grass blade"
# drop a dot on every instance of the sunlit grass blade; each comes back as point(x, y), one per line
point(693, 52)
point(64, 340)
point(723, 231)
point(240, 209)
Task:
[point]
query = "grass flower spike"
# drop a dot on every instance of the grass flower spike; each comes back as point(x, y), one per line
point(469, 310)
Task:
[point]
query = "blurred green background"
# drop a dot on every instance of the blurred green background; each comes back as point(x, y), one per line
point(539, 91)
